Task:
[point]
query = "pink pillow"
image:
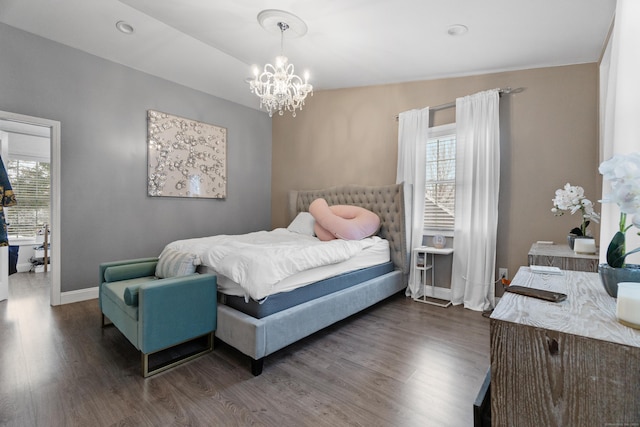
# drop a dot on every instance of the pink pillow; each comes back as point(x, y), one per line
point(342, 221)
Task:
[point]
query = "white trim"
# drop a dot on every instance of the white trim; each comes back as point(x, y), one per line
point(4, 273)
point(442, 130)
point(79, 295)
point(54, 127)
point(430, 232)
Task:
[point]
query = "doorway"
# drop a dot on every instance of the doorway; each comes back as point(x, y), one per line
point(52, 129)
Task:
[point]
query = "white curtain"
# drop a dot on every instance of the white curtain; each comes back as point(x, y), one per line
point(412, 137)
point(477, 186)
point(619, 111)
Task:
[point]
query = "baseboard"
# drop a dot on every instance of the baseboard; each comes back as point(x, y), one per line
point(79, 295)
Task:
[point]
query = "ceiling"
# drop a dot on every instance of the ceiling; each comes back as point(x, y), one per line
point(210, 45)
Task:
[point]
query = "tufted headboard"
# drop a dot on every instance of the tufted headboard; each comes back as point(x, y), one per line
point(388, 202)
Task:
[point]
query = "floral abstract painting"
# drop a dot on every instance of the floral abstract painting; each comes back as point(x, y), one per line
point(186, 158)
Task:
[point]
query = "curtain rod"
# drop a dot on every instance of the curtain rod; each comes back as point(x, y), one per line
point(451, 104)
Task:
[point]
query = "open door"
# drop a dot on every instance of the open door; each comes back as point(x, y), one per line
point(52, 129)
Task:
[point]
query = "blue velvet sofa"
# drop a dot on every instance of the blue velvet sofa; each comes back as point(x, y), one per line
point(158, 314)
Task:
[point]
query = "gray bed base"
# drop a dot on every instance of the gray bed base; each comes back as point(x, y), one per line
point(258, 338)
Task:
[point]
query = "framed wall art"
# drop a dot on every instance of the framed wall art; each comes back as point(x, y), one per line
point(186, 158)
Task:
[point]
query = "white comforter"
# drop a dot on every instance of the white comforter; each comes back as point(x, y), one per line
point(259, 260)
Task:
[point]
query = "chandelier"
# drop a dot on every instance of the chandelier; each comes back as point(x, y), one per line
point(278, 87)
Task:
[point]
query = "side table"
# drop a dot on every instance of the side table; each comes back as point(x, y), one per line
point(563, 257)
point(423, 262)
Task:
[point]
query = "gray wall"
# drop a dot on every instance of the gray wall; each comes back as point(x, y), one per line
point(106, 213)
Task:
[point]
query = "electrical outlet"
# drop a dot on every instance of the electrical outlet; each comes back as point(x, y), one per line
point(503, 273)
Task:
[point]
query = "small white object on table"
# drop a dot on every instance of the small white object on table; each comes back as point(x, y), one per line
point(628, 304)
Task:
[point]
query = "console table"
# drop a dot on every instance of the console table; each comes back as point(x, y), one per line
point(563, 257)
point(563, 364)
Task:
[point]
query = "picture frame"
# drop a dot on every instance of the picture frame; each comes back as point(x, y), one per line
point(186, 158)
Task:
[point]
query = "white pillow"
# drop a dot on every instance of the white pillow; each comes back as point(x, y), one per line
point(302, 224)
point(173, 263)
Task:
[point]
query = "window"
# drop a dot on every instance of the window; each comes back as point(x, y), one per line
point(440, 188)
point(30, 181)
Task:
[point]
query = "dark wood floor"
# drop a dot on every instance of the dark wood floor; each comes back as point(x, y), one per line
point(400, 363)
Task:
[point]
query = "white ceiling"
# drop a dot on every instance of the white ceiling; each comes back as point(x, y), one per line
point(210, 45)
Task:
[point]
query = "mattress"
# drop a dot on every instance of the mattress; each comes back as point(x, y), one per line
point(374, 255)
point(284, 300)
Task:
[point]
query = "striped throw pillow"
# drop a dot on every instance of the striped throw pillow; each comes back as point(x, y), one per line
point(173, 263)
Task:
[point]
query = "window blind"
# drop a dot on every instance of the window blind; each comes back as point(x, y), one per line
point(440, 187)
point(30, 181)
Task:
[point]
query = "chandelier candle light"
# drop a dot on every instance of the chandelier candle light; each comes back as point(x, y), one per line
point(278, 88)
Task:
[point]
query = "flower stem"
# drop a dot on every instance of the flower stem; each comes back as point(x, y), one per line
point(623, 221)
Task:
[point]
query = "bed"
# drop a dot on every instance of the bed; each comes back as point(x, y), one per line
point(258, 329)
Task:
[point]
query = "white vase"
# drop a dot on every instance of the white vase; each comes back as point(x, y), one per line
point(584, 245)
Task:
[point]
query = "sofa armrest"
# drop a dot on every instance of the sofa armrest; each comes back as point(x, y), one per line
point(176, 310)
point(105, 265)
point(130, 271)
point(129, 262)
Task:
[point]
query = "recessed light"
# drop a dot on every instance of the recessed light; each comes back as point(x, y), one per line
point(124, 27)
point(457, 30)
